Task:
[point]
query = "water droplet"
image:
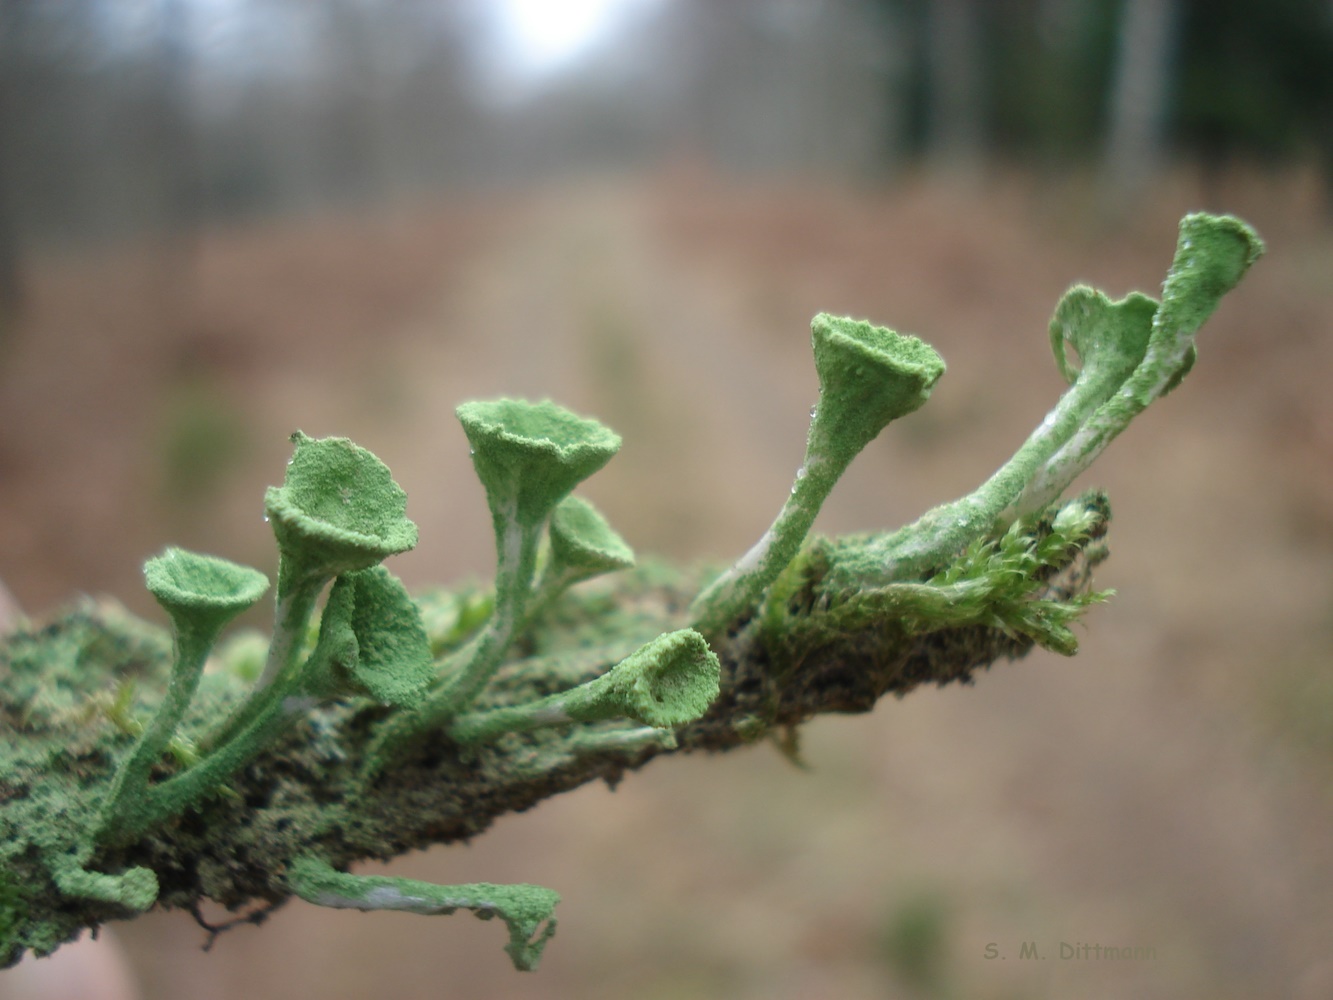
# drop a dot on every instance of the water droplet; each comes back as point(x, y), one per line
point(814, 411)
point(800, 473)
point(472, 451)
point(1188, 243)
point(793, 489)
point(266, 519)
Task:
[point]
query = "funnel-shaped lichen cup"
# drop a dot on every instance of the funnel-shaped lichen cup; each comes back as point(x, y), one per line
point(202, 593)
point(583, 544)
point(868, 376)
point(529, 456)
point(337, 511)
point(667, 682)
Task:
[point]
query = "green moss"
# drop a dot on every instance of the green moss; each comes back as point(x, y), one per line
point(13, 914)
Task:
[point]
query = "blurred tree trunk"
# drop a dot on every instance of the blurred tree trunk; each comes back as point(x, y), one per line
point(955, 137)
point(175, 150)
point(11, 256)
point(357, 160)
point(1140, 94)
point(11, 268)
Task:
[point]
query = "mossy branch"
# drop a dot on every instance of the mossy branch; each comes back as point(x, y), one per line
point(402, 722)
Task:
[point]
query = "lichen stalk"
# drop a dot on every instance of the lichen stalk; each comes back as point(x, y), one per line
point(1212, 255)
point(292, 614)
point(868, 377)
point(516, 565)
point(468, 671)
point(740, 586)
point(192, 646)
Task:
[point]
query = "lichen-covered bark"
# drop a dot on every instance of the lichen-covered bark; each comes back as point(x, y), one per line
point(60, 745)
point(293, 785)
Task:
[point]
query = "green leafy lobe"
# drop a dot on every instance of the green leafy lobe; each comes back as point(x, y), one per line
point(1110, 337)
point(372, 642)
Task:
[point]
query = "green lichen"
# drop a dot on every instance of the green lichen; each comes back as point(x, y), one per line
point(201, 594)
point(389, 722)
point(338, 510)
point(13, 913)
point(371, 642)
point(529, 456)
point(667, 682)
point(583, 544)
point(868, 377)
point(1133, 352)
point(527, 910)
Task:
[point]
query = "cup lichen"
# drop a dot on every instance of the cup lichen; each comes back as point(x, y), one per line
point(202, 594)
point(386, 729)
point(869, 376)
point(338, 510)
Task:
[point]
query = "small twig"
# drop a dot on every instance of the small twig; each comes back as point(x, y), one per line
point(256, 917)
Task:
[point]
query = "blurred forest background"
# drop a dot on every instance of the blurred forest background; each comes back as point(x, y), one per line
point(221, 220)
point(123, 117)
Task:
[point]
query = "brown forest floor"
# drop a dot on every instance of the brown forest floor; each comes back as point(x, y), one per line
point(1170, 789)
